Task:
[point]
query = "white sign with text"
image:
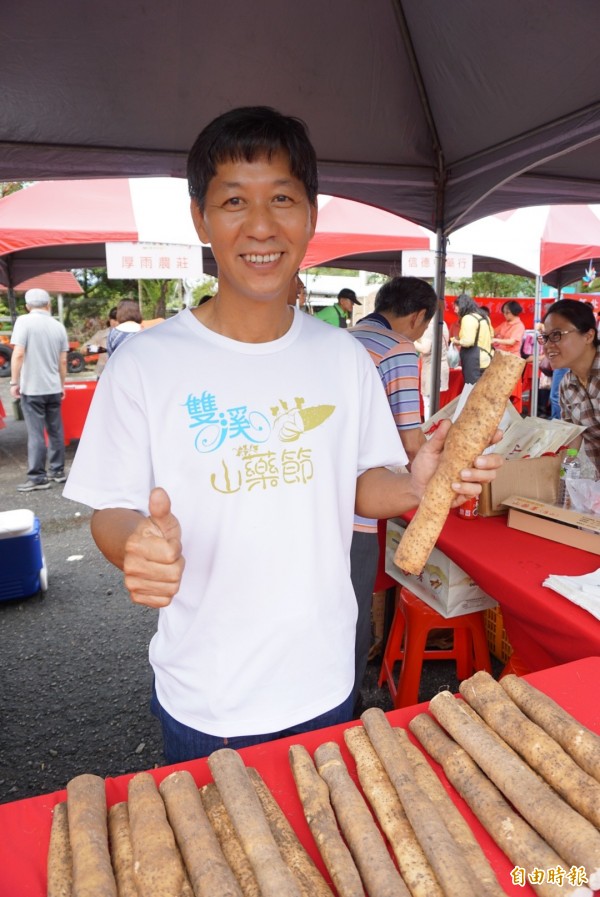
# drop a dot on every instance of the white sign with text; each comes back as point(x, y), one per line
point(421, 263)
point(153, 261)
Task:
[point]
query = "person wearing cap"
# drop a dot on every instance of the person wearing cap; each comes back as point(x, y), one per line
point(341, 312)
point(37, 376)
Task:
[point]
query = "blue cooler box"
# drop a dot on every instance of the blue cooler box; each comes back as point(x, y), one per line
point(22, 567)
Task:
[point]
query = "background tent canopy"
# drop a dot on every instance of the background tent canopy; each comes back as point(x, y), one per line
point(66, 224)
point(440, 112)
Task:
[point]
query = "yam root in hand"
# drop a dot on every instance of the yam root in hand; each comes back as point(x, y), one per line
point(521, 844)
point(60, 860)
point(310, 880)
point(314, 797)
point(539, 749)
point(581, 743)
point(445, 856)
point(378, 872)
point(455, 822)
point(572, 837)
point(157, 863)
point(412, 862)
point(121, 853)
point(207, 868)
point(246, 813)
point(467, 439)
point(88, 833)
point(229, 841)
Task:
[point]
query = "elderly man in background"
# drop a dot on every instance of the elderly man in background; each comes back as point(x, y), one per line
point(38, 370)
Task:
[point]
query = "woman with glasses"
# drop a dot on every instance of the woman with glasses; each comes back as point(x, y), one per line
point(570, 340)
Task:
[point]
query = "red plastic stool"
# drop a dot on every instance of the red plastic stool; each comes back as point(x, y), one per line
point(514, 666)
point(412, 623)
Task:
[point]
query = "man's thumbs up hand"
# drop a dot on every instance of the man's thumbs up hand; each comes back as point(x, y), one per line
point(153, 563)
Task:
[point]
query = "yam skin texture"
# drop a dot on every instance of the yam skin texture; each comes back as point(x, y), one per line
point(571, 836)
point(314, 797)
point(60, 860)
point(521, 844)
point(444, 854)
point(310, 880)
point(246, 813)
point(381, 794)
point(229, 841)
point(121, 853)
point(157, 863)
point(539, 749)
point(88, 834)
point(378, 872)
point(467, 438)
point(581, 743)
point(455, 822)
point(207, 868)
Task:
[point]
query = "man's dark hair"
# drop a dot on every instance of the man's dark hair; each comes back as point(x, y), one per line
point(579, 314)
point(514, 307)
point(246, 134)
point(403, 296)
point(466, 306)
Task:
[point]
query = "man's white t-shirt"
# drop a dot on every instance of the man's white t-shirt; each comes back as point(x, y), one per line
point(259, 446)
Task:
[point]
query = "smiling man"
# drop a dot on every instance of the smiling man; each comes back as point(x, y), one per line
point(236, 472)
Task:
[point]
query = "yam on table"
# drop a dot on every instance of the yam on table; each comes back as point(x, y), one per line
point(444, 854)
point(119, 837)
point(513, 835)
point(60, 858)
point(157, 863)
point(375, 782)
point(229, 841)
point(542, 752)
point(378, 872)
point(580, 742)
point(455, 821)
point(206, 866)
point(316, 804)
point(571, 836)
point(88, 833)
point(246, 813)
point(310, 881)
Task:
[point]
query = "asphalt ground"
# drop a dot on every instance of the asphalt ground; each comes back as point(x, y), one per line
point(75, 677)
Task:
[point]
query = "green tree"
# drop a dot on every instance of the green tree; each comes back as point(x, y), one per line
point(492, 285)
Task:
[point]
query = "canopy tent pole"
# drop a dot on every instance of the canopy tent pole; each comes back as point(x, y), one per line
point(12, 304)
point(537, 317)
point(439, 285)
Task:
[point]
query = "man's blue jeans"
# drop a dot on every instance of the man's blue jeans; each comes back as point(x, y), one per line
point(43, 413)
point(180, 743)
point(557, 376)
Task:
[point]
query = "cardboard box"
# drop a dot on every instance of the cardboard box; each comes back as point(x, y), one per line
point(529, 477)
point(443, 585)
point(558, 524)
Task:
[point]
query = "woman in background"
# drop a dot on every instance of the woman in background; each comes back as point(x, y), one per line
point(474, 339)
point(423, 347)
point(570, 340)
point(508, 337)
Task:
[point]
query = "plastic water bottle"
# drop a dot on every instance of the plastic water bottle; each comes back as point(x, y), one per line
point(570, 470)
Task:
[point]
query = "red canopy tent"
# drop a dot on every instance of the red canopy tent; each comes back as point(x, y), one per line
point(65, 224)
point(53, 282)
point(346, 228)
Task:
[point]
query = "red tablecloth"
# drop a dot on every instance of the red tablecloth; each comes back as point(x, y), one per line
point(543, 627)
point(75, 406)
point(25, 824)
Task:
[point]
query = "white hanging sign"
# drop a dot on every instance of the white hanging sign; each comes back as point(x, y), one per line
point(421, 263)
point(153, 261)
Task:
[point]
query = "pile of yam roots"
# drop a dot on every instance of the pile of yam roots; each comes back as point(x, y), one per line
point(527, 769)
